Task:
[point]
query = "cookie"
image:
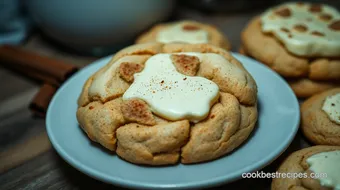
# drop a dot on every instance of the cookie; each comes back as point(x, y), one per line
point(268, 50)
point(305, 87)
point(185, 31)
point(158, 104)
point(314, 168)
point(297, 43)
point(303, 31)
point(320, 118)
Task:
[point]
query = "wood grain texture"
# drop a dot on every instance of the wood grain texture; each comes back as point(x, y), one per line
point(24, 151)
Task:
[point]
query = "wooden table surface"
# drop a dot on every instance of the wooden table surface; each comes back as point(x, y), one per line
point(27, 159)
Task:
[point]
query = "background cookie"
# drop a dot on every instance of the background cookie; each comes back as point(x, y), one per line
point(316, 124)
point(273, 46)
point(305, 87)
point(185, 31)
point(273, 54)
point(297, 163)
point(141, 136)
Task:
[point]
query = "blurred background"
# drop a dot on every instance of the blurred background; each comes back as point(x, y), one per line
point(104, 26)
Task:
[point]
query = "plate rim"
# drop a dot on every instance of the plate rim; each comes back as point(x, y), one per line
point(188, 185)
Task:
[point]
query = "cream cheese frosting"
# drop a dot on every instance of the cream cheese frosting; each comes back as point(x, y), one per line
point(179, 33)
point(305, 29)
point(170, 94)
point(331, 107)
point(326, 163)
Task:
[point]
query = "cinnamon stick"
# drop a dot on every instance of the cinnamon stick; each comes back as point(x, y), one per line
point(35, 75)
point(41, 100)
point(50, 71)
point(38, 67)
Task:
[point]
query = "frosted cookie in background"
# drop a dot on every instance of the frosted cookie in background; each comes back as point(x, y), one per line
point(185, 31)
point(160, 104)
point(301, 42)
point(315, 168)
point(320, 118)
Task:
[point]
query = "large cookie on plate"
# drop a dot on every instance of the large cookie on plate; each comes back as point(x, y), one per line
point(157, 104)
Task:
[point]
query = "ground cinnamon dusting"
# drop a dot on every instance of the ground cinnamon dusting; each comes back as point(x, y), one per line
point(190, 27)
point(325, 17)
point(283, 12)
point(316, 33)
point(300, 28)
point(335, 25)
point(315, 8)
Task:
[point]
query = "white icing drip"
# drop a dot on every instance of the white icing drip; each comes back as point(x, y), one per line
point(326, 163)
point(171, 94)
point(304, 43)
point(331, 107)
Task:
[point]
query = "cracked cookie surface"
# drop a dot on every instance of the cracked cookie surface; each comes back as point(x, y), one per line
point(137, 135)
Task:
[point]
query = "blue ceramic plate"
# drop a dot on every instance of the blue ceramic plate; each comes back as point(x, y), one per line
point(277, 125)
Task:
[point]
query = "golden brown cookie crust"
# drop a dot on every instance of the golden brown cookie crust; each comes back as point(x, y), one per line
point(229, 124)
point(100, 121)
point(267, 49)
point(242, 51)
point(315, 124)
point(296, 163)
point(151, 143)
point(215, 36)
point(304, 88)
